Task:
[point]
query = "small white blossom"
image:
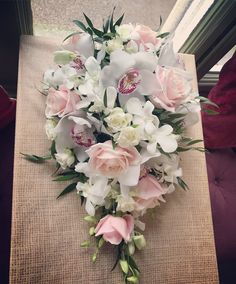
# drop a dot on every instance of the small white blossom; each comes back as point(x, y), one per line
point(113, 44)
point(129, 136)
point(50, 128)
point(125, 204)
point(117, 119)
point(65, 159)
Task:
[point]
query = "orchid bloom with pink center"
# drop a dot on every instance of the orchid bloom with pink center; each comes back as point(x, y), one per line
point(130, 74)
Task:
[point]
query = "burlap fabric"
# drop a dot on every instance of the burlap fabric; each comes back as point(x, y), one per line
point(46, 233)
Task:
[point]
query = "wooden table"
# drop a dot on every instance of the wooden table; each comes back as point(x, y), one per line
point(46, 233)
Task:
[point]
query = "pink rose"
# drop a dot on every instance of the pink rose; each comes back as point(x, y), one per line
point(61, 102)
point(173, 87)
point(148, 193)
point(114, 229)
point(146, 36)
point(112, 162)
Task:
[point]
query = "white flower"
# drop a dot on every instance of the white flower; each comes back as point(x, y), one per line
point(131, 47)
point(126, 32)
point(50, 128)
point(65, 158)
point(117, 119)
point(149, 124)
point(129, 136)
point(125, 203)
point(113, 44)
point(95, 191)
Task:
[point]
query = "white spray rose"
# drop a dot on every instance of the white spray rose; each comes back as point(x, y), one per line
point(125, 31)
point(114, 44)
point(117, 119)
point(129, 136)
point(125, 204)
point(50, 128)
point(65, 159)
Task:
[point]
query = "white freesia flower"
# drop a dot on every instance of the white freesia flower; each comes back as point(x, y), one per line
point(65, 158)
point(117, 119)
point(90, 86)
point(65, 75)
point(50, 128)
point(95, 191)
point(129, 136)
point(149, 124)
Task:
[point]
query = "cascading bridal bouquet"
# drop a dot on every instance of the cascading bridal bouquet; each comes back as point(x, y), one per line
point(118, 103)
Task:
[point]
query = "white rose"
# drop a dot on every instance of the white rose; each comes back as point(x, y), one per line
point(125, 31)
point(117, 119)
point(65, 159)
point(129, 136)
point(114, 44)
point(125, 204)
point(50, 128)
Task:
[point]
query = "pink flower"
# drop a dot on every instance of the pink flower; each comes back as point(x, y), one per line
point(173, 87)
point(146, 36)
point(114, 229)
point(112, 162)
point(61, 102)
point(148, 193)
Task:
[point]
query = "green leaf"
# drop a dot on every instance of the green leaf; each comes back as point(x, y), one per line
point(194, 142)
point(66, 177)
point(210, 111)
point(68, 189)
point(112, 28)
point(53, 149)
point(132, 263)
point(119, 21)
point(70, 35)
point(163, 35)
point(206, 101)
point(96, 31)
point(36, 159)
point(105, 99)
point(106, 26)
point(113, 144)
point(80, 25)
point(182, 183)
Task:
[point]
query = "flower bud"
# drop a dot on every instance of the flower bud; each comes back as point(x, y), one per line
point(132, 279)
point(139, 241)
point(91, 231)
point(124, 266)
point(94, 257)
point(90, 219)
point(85, 244)
point(101, 243)
point(131, 248)
point(63, 57)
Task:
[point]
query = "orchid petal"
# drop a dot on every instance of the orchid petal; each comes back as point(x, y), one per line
point(131, 176)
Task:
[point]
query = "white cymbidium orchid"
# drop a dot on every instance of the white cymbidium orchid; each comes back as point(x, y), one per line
point(75, 132)
point(130, 74)
point(151, 131)
point(95, 191)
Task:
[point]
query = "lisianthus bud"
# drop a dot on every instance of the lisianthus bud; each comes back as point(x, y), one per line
point(90, 219)
point(91, 231)
point(63, 57)
point(50, 128)
point(139, 241)
point(131, 248)
point(101, 243)
point(124, 266)
point(132, 279)
point(85, 244)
